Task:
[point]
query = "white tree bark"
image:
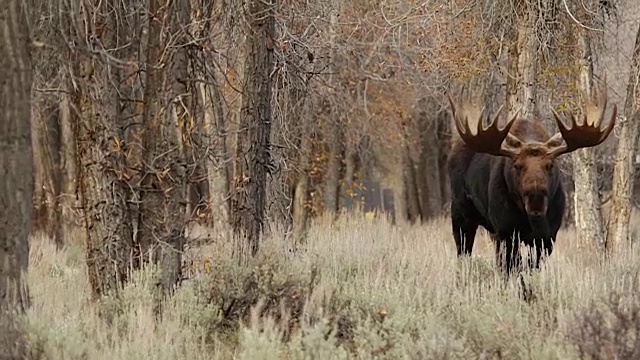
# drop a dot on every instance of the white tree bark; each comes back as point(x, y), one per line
point(69, 200)
point(624, 169)
point(523, 63)
point(587, 203)
point(528, 67)
point(217, 171)
point(16, 172)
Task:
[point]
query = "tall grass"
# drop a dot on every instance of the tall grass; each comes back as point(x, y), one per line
point(357, 289)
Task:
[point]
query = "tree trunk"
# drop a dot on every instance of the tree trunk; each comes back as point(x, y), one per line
point(335, 133)
point(68, 16)
point(218, 162)
point(300, 210)
point(197, 180)
point(400, 203)
point(43, 131)
point(410, 191)
point(289, 136)
point(301, 190)
point(164, 194)
point(513, 77)
point(196, 141)
point(252, 147)
point(101, 176)
point(348, 184)
point(217, 159)
point(528, 64)
point(624, 168)
point(410, 186)
point(524, 90)
point(173, 218)
point(68, 201)
point(586, 198)
point(16, 165)
point(522, 64)
point(444, 147)
point(351, 166)
point(428, 176)
point(285, 138)
point(334, 166)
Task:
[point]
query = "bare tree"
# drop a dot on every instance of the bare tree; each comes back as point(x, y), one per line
point(45, 137)
point(68, 196)
point(16, 164)
point(624, 169)
point(102, 158)
point(410, 181)
point(587, 202)
point(252, 144)
point(49, 142)
point(127, 126)
point(164, 191)
point(302, 183)
point(335, 131)
point(526, 57)
point(211, 110)
point(218, 159)
point(428, 174)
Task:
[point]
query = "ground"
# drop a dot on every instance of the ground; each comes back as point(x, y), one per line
point(360, 288)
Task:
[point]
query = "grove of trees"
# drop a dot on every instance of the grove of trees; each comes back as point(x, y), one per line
point(150, 115)
point(16, 168)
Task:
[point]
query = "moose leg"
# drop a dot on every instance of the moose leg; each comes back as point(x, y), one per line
point(498, 244)
point(541, 240)
point(464, 233)
point(542, 248)
point(508, 256)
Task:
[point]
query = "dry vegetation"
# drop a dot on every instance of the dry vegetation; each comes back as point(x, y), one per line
point(147, 116)
point(359, 289)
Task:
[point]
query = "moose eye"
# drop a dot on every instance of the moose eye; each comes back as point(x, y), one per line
point(518, 167)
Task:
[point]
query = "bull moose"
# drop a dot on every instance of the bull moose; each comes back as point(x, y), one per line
point(506, 179)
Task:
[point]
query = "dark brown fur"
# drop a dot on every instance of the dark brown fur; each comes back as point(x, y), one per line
point(515, 199)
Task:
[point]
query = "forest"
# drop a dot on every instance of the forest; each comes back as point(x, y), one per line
point(268, 179)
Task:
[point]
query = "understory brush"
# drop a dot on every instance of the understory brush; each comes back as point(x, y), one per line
point(358, 288)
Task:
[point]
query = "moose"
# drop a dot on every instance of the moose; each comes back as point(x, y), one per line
point(507, 181)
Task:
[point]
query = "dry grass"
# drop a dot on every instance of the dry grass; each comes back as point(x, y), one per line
point(359, 289)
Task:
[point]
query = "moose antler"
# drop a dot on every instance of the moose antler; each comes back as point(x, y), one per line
point(587, 134)
point(488, 140)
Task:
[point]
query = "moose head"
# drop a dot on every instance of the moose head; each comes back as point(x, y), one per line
point(533, 152)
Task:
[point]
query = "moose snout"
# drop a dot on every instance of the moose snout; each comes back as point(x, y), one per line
point(536, 204)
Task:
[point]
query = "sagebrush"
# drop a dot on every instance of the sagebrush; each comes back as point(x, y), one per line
point(358, 288)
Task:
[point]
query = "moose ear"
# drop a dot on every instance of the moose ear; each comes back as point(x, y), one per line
point(512, 141)
point(555, 141)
